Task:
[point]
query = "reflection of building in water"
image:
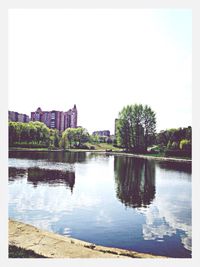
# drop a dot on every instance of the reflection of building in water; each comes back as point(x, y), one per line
point(135, 181)
point(52, 177)
point(40, 176)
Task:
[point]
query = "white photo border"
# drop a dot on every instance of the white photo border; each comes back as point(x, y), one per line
point(40, 4)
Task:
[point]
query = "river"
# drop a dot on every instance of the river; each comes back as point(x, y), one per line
point(110, 200)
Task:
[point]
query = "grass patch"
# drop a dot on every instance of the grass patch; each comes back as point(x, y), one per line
point(27, 148)
point(100, 146)
point(104, 146)
point(16, 252)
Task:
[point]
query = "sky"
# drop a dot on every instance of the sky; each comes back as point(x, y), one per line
point(102, 60)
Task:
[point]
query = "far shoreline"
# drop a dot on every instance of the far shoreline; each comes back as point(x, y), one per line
point(117, 153)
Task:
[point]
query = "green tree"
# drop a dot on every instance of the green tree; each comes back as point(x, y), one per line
point(185, 144)
point(171, 138)
point(136, 126)
point(74, 137)
point(94, 138)
point(149, 124)
point(80, 136)
point(64, 140)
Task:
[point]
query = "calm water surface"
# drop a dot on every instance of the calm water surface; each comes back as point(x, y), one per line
point(118, 201)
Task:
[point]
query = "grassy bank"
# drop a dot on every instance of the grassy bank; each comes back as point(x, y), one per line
point(88, 146)
point(108, 148)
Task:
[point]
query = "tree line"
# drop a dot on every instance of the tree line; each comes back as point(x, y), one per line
point(136, 133)
point(37, 134)
point(32, 133)
point(175, 141)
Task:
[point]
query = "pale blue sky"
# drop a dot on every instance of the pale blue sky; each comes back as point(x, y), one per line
point(102, 60)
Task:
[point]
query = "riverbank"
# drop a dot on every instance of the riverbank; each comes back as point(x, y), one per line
point(117, 153)
point(49, 245)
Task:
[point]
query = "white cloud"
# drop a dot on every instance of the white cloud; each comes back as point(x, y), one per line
point(164, 218)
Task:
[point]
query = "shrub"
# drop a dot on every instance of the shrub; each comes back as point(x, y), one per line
point(81, 146)
point(185, 144)
point(152, 151)
point(174, 145)
point(29, 145)
point(177, 153)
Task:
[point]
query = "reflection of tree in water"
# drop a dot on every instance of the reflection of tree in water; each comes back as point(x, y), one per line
point(69, 157)
point(53, 156)
point(135, 181)
point(52, 177)
point(15, 173)
point(185, 167)
point(43, 176)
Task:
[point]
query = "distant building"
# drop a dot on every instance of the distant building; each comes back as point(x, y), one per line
point(18, 117)
point(102, 133)
point(56, 119)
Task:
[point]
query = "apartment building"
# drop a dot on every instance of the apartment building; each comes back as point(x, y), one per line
point(102, 133)
point(56, 119)
point(18, 117)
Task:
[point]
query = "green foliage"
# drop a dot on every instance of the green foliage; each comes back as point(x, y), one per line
point(169, 144)
point(174, 145)
point(18, 252)
point(94, 139)
point(178, 153)
point(74, 137)
point(32, 133)
point(39, 133)
point(185, 144)
point(179, 138)
point(135, 127)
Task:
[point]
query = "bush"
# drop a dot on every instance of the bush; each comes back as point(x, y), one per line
point(139, 150)
point(26, 145)
point(81, 147)
point(178, 153)
point(185, 144)
point(174, 145)
point(51, 147)
point(109, 141)
point(152, 151)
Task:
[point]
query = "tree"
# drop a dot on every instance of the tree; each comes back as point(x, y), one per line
point(32, 132)
point(64, 141)
point(94, 138)
point(135, 128)
point(12, 133)
point(74, 136)
point(171, 138)
point(185, 145)
point(80, 136)
point(149, 121)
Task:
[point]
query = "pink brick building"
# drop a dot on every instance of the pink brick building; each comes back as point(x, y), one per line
point(56, 119)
